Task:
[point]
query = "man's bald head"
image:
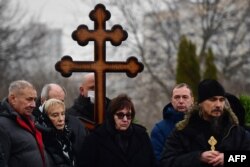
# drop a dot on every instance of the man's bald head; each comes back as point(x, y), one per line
point(52, 90)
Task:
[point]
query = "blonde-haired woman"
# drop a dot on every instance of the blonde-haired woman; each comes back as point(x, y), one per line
point(57, 137)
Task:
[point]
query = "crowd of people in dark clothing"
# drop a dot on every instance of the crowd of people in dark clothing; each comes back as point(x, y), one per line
point(39, 130)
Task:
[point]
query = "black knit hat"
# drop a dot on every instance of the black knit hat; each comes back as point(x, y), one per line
point(209, 88)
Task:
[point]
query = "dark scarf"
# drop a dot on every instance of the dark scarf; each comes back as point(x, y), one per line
point(121, 138)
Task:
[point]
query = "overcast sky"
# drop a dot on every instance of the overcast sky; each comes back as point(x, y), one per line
point(67, 15)
point(56, 13)
point(64, 14)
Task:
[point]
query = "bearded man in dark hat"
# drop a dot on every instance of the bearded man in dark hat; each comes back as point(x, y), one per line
point(208, 130)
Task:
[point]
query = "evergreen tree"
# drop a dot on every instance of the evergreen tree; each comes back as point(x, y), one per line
point(188, 69)
point(210, 68)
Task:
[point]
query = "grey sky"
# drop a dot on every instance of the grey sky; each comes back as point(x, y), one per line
point(64, 14)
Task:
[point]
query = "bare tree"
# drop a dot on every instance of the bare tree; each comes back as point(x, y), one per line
point(22, 48)
point(220, 24)
point(29, 50)
point(154, 29)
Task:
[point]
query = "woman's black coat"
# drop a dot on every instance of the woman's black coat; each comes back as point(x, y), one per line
point(101, 149)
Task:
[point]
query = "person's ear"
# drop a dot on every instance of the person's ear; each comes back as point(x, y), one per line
point(192, 100)
point(11, 98)
point(81, 89)
point(42, 100)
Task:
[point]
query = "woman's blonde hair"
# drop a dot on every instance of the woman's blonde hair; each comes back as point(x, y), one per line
point(52, 102)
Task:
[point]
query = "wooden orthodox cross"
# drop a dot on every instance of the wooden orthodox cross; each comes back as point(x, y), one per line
point(99, 66)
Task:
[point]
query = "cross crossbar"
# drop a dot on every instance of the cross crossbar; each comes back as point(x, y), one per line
point(99, 66)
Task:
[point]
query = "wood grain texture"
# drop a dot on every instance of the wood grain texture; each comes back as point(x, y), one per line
point(99, 66)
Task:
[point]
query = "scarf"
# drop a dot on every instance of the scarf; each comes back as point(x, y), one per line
point(27, 124)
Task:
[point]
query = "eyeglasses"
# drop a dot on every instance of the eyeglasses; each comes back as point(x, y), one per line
point(121, 115)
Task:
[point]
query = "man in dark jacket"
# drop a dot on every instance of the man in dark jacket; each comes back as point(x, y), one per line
point(181, 101)
point(53, 90)
point(3, 162)
point(209, 130)
point(21, 142)
point(83, 107)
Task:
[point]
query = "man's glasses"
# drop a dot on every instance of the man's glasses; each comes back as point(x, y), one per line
point(121, 115)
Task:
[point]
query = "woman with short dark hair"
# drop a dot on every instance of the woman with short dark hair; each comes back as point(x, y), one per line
point(118, 141)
